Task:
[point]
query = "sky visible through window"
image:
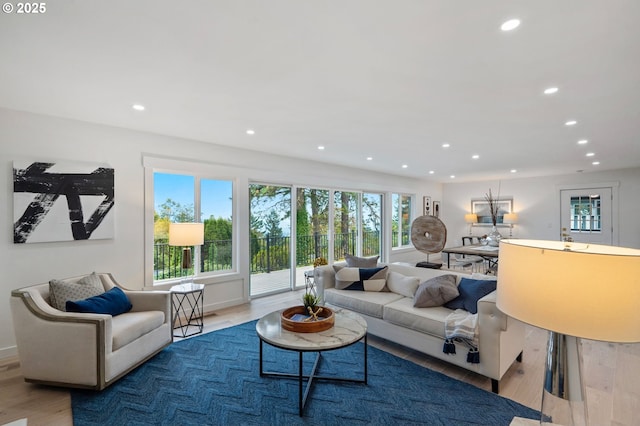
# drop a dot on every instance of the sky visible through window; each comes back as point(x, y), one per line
point(216, 194)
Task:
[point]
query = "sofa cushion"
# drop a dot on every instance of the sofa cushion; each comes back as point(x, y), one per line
point(426, 320)
point(361, 262)
point(60, 291)
point(436, 292)
point(470, 292)
point(364, 302)
point(402, 284)
point(363, 279)
point(128, 327)
point(113, 302)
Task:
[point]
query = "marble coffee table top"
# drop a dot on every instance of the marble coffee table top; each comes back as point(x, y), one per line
point(349, 327)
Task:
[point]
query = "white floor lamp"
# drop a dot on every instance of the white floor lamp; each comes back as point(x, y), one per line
point(575, 291)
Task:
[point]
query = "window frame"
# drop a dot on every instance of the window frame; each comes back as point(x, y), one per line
point(199, 171)
point(401, 196)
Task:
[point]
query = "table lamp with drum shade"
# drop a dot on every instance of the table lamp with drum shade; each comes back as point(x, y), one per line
point(471, 218)
point(186, 235)
point(510, 219)
point(574, 290)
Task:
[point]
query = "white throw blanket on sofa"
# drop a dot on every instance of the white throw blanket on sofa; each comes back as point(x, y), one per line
point(462, 326)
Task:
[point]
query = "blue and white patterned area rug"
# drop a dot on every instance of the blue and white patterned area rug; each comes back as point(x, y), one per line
point(214, 379)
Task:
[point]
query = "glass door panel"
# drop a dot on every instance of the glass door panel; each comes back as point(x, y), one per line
point(345, 224)
point(371, 243)
point(270, 238)
point(586, 215)
point(312, 226)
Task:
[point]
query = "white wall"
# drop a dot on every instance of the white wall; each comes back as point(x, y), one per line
point(537, 203)
point(31, 137)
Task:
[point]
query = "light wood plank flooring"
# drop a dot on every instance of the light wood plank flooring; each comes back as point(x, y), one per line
point(612, 374)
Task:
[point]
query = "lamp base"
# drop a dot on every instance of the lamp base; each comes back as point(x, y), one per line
point(186, 257)
point(563, 397)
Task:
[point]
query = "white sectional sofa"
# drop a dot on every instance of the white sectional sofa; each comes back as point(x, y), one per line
point(392, 316)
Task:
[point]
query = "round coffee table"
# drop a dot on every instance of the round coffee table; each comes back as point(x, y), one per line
point(349, 328)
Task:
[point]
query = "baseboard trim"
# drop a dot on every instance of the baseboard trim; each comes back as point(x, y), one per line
point(9, 352)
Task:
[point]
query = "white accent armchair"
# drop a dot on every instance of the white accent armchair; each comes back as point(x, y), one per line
point(87, 350)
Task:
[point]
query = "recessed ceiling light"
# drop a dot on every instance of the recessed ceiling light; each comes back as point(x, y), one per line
point(251, 132)
point(582, 142)
point(475, 156)
point(138, 107)
point(452, 176)
point(571, 123)
point(509, 25)
point(514, 171)
point(590, 154)
point(369, 158)
point(320, 147)
point(550, 90)
point(446, 145)
point(404, 166)
point(595, 163)
point(431, 172)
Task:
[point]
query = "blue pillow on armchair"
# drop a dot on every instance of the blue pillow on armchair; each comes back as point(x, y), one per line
point(113, 302)
point(470, 292)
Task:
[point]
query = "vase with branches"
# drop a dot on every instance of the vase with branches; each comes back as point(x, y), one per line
point(493, 237)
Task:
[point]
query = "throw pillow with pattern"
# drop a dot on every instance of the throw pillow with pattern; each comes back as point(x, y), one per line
point(362, 279)
point(61, 291)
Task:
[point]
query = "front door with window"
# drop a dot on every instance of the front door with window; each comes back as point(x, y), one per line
point(586, 214)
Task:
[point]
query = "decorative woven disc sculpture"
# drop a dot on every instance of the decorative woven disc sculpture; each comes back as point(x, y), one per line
point(428, 235)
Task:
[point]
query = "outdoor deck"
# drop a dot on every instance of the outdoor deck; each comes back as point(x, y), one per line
point(272, 282)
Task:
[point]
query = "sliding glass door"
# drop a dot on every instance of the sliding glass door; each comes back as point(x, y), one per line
point(326, 224)
point(270, 238)
point(312, 226)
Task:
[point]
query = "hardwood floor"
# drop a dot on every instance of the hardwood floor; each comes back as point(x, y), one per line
point(612, 373)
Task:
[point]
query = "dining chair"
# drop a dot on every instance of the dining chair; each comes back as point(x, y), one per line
point(477, 262)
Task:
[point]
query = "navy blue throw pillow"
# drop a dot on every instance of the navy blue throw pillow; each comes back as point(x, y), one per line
point(470, 292)
point(113, 302)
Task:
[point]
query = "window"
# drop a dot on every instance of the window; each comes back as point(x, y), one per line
point(585, 213)
point(401, 219)
point(189, 198)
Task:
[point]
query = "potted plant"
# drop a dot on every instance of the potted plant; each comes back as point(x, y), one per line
point(310, 300)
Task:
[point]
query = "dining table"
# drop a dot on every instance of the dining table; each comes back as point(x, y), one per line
point(487, 252)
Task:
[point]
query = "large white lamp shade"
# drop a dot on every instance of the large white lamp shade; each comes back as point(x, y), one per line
point(574, 290)
point(583, 290)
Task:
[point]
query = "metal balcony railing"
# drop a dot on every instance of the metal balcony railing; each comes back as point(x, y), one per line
point(267, 253)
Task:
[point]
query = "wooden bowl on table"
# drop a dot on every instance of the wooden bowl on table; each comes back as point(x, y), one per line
point(326, 319)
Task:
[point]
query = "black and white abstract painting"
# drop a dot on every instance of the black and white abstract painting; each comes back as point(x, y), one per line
point(62, 201)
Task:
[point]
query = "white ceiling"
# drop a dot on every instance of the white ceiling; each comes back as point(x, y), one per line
point(390, 79)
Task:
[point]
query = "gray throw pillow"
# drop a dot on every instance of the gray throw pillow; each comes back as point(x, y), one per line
point(62, 291)
point(436, 292)
point(361, 262)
